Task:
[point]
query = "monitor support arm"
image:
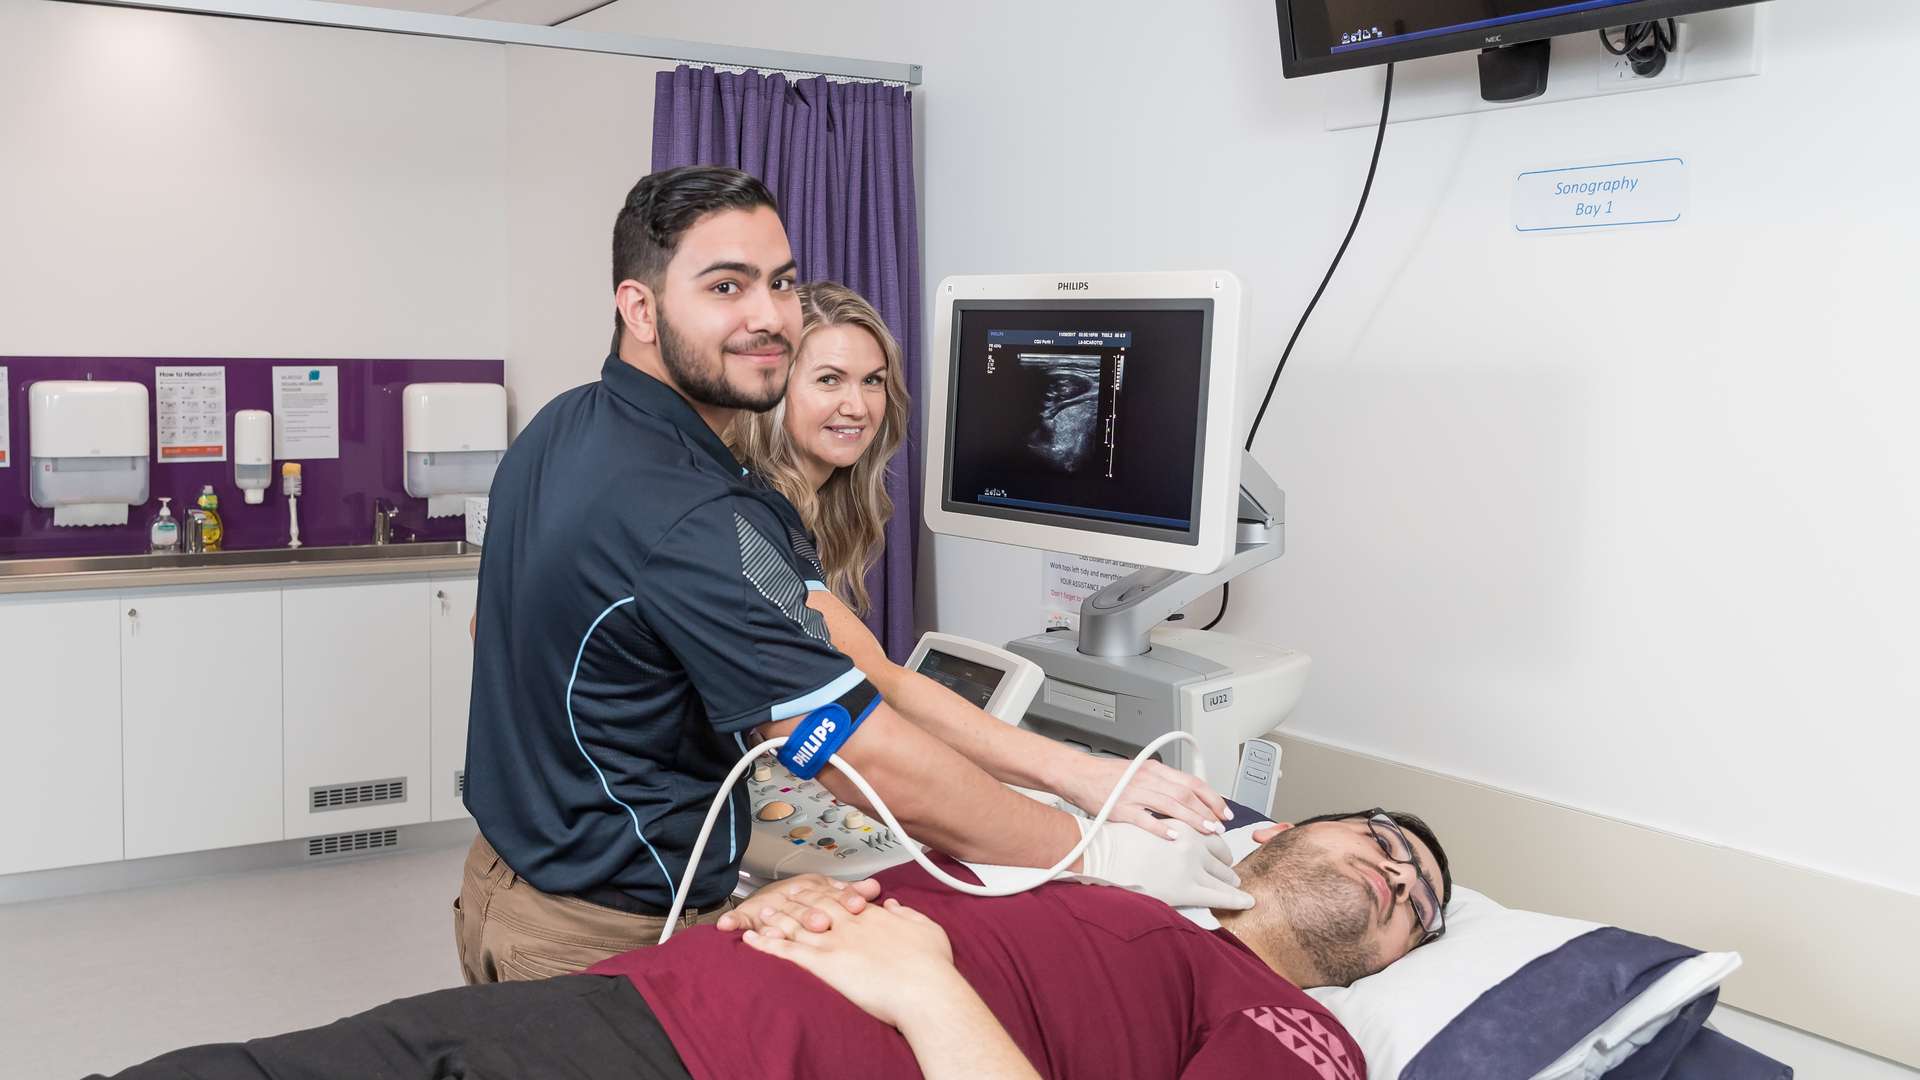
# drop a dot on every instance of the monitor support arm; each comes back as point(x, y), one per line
point(1117, 620)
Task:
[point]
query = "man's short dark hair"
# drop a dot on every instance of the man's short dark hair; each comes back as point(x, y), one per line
point(663, 206)
point(1412, 824)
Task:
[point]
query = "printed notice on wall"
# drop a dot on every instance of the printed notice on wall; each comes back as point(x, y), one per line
point(6, 402)
point(1066, 580)
point(190, 408)
point(1653, 192)
point(306, 413)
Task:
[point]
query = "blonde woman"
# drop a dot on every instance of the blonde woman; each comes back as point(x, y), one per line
point(827, 447)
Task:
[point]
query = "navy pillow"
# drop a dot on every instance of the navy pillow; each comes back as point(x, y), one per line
point(1524, 1023)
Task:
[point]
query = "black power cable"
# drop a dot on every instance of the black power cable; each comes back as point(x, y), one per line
point(1386, 103)
point(1373, 167)
point(1645, 45)
point(1226, 592)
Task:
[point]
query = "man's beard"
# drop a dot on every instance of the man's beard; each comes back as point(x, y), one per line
point(709, 386)
point(1328, 913)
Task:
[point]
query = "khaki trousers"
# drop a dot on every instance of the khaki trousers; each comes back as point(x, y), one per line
point(507, 930)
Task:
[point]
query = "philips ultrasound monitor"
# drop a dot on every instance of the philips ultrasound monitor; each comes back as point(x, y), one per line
point(1088, 413)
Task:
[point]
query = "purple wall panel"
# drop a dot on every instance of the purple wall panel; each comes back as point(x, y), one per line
point(336, 506)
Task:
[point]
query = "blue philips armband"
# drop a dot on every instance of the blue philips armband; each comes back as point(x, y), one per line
point(826, 729)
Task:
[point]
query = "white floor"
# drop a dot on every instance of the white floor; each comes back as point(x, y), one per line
point(98, 983)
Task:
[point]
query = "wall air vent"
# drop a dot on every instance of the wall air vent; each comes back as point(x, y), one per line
point(349, 843)
point(363, 793)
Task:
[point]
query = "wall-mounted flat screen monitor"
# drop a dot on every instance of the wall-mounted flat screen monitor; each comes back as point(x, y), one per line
point(1330, 35)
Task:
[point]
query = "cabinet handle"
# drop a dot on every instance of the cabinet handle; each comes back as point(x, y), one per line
point(134, 626)
point(440, 595)
point(133, 613)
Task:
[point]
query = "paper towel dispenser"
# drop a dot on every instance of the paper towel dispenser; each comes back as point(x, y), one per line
point(89, 444)
point(454, 436)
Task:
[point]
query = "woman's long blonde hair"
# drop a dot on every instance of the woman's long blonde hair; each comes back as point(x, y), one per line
point(848, 515)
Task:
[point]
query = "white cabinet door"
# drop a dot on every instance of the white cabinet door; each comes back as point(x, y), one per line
point(59, 731)
point(200, 672)
point(450, 608)
point(357, 710)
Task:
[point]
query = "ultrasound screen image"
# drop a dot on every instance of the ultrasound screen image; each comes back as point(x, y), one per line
point(1074, 416)
point(1080, 410)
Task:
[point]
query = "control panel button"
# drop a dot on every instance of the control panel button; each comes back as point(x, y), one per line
point(856, 820)
point(774, 811)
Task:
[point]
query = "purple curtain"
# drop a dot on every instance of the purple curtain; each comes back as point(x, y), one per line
point(839, 157)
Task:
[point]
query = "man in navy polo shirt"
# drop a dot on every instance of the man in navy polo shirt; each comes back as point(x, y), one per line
point(642, 614)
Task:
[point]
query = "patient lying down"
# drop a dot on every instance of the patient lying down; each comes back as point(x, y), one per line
point(1067, 980)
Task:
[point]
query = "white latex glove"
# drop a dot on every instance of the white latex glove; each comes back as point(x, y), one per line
point(1186, 870)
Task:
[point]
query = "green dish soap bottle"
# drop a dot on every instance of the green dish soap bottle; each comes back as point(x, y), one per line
point(209, 521)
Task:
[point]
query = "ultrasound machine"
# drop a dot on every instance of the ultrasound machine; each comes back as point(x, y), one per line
point(1094, 414)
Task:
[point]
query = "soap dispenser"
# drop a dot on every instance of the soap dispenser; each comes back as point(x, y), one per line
point(163, 536)
point(253, 454)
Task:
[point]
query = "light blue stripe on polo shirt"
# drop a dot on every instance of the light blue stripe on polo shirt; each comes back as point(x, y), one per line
point(827, 694)
point(733, 842)
point(575, 729)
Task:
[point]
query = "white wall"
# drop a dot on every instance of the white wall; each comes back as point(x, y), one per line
point(178, 185)
point(579, 133)
point(175, 185)
point(1622, 521)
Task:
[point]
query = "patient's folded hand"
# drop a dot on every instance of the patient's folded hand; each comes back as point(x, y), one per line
point(893, 962)
point(795, 903)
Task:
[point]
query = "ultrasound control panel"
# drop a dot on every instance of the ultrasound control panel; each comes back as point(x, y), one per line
point(799, 827)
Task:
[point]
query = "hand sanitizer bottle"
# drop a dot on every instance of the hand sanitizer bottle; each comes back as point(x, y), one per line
point(163, 536)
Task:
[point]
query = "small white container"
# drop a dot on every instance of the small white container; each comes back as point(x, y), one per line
point(477, 521)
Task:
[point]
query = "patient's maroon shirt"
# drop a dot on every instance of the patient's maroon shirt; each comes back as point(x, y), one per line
point(1091, 982)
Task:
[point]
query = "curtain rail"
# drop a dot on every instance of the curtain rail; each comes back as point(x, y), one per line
point(459, 28)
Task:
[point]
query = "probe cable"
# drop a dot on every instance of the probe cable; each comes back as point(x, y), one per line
point(1040, 878)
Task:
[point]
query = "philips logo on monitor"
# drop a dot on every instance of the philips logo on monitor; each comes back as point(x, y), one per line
point(1073, 286)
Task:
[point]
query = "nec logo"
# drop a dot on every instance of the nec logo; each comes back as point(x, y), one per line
point(1072, 286)
point(1494, 39)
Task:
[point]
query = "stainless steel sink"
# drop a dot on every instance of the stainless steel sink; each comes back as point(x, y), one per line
point(14, 568)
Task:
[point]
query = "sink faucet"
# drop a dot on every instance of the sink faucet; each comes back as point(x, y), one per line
point(383, 521)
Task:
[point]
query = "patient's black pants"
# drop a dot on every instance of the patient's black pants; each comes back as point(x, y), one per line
point(587, 1027)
